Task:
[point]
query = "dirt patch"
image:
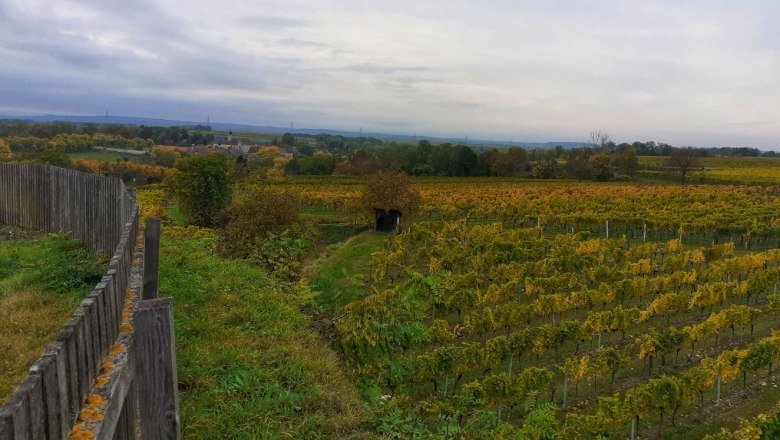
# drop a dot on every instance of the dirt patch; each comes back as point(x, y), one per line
point(15, 233)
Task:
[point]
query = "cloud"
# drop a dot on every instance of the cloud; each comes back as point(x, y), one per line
point(685, 73)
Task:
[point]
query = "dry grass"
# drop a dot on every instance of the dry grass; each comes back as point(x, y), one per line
point(28, 321)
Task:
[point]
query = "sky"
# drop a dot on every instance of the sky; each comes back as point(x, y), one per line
point(704, 73)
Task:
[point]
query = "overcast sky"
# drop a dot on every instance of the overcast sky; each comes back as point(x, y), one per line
point(704, 73)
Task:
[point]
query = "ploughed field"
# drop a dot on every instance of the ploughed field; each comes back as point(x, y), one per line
point(43, 278)
point(579, 309)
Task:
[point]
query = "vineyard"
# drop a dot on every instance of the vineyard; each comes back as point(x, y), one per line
point(735, 170)
point(562, 310)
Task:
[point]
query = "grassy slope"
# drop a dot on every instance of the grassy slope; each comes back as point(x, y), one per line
point(42, 281)
point(249, 364)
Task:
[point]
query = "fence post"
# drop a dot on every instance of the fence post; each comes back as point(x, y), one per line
point(155, 369)
point(6, 423)
point(151, 258)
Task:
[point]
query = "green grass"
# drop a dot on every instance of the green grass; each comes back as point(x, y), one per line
point(42, 281)
point(250, 366)
point(336, 233)
point(340, 276)
point(321, 213)
point(106, 155)
point(173, 212)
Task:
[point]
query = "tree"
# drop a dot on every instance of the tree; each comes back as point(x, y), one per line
point(288, 139)
point(577, 164)
point(599, 139)
point(4, 147)
point(318, 164)
point(359, 163)
point(512, 162)
point(601, 167)
point(166, 158)
point(202, 189)
point(626, 161)
point(390, 190)
point(464, 161)
point(53, 156)
point(683, 159)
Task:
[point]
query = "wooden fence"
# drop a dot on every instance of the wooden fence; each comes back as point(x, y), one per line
point(93, 379)
point(92, 208)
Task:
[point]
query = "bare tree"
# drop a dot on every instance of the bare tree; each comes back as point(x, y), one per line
point(598, 138)
point(684, 160)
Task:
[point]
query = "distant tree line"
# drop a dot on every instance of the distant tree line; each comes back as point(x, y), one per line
point(175, 135)
point(652, 148)
point(75, 142)
point(603, 160)
point(458, 160)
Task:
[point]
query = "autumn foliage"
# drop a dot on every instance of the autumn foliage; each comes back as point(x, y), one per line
point(390, 190)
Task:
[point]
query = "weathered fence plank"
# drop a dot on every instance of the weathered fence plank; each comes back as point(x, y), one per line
point(32, 387)
point(46, 367)
point(56, 352)
point(156, 369)
point(19, 405)
point(6, 423)
point(67, 337)
point(151, 257)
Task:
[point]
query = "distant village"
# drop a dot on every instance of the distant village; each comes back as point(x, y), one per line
point(227, 143)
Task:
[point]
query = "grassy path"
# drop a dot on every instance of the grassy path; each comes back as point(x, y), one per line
point(340, 274)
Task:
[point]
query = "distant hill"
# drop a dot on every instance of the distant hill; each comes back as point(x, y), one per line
point(154, 122)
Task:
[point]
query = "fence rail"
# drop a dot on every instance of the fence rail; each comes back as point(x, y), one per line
point(62, 387)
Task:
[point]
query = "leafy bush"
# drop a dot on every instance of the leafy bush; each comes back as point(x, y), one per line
point(281, 253)
point(202, 188)
point(54, 157)
point(390, 190)
point(264, 227)
point(166, 158)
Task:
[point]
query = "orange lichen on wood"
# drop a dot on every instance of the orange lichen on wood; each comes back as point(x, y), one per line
point(80, 433)
point(96, 401)
point(90, 415)
point(136, 261)
point(100, 381)
point(126, 328)
point(116, 348)
point(106, 367)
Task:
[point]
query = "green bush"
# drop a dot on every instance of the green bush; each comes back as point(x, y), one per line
point(264, 227)
point(202, 188)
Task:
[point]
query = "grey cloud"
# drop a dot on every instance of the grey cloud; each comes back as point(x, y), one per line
point(269, 22)
point(499, 69)
point(374, 68)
